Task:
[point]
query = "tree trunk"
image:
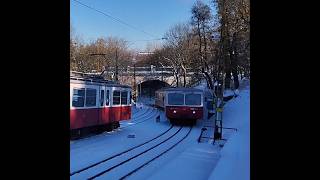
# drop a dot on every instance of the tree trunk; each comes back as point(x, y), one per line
point(234, 60)
point(175, 73)
point(177, 79)
point(235, 78)
point(200, 43)
point(227, 79)
point(184, 75)
point(205, 46)
point(208, 79)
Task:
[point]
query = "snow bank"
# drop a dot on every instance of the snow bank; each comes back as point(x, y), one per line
point(229, 92)
point(235, 158)
point(244, 83)
point(234, 163)
point(202, 85)
point(194, 163)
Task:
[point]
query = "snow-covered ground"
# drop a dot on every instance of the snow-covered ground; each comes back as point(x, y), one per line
point(234, 163)
point(201, 85)
point(188, 160)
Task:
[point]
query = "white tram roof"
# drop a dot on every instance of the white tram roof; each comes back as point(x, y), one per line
point(95, 81)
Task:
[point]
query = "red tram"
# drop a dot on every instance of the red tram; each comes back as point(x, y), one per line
point(184, 104)
point(97, 105)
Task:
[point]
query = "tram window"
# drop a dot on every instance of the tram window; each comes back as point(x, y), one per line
point(101, 97)
point(124, 97)
point(116, 97)
point(175, 99)
point(193, 99)
point(107, 98)
point(130, 98)
point(78, 97)
point(91, 97)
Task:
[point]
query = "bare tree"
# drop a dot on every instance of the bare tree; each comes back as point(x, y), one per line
point(201, 17)
point(234, 41)
point(179, 42)
point(111, 53)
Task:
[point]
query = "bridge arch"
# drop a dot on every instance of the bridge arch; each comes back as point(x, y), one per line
point(147, 88)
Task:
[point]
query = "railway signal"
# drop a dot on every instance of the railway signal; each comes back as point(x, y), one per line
point(217, 135)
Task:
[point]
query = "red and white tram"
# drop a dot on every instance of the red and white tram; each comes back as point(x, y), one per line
point(97, 105)
point(184, 104)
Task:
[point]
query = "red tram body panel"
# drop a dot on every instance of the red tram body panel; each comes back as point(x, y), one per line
point(105, 116)
point(184, 112)
point(98, 103)
point(83, 118)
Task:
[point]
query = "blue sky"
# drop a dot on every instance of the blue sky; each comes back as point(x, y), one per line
point(152, 16)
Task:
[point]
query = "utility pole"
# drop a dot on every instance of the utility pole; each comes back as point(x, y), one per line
point(99, 65)
point(140, 90)
point(219, 107)
point(116, 64)
point(220, 77)
point(134, 81)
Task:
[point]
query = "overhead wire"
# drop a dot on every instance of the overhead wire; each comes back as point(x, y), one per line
point(115, 19)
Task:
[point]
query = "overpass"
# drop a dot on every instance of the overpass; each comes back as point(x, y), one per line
point(146, 80)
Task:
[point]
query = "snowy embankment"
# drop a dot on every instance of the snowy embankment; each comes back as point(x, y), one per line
point(234, 163)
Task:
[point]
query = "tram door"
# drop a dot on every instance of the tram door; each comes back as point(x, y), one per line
point(104, 105)
point(125, 104)
point(115, 113)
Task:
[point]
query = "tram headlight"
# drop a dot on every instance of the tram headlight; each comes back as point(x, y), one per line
point(174, 111)
point(193, 112)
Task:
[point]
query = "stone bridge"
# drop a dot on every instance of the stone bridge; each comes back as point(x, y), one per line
point(146, 80)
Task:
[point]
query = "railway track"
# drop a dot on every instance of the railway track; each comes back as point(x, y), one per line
point(139, 113)
point(153, 116)
point(146, 163)
point(126, 151)
point(130, 161)
point(151, 113)
point(148, 113)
